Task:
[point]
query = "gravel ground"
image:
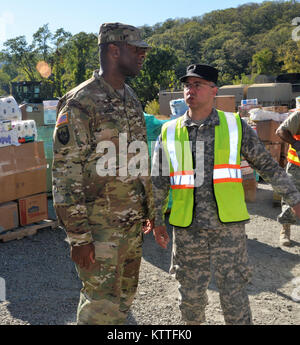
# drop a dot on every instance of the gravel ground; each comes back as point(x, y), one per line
point(42, 287)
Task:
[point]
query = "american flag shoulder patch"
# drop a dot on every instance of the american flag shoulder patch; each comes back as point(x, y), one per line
point(62, 119)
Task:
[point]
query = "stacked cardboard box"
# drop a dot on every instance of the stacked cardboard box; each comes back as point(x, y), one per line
point(249, 181)
point(244, 109)
point(33, 208)
point(248, 174)
point(164, 100)
point(278, 149)
point(225, 103)
point(9, 216)
point(274, 144)
point(33, 111)
point(281, 109)
point(246, 106)
point(22, 184)
point(44, 115)
point(250, 187)
point(266, 131)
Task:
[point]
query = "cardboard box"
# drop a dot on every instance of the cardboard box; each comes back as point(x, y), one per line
point(22, 171)
point(281, 109)
point(266, 131)
point(250, 189)
point(243, 110)
point(33, 209)
point(164, 100)
point(33, 111)
point(225, 103)
point(9, 216)
point(275, 150)
point(247, 171)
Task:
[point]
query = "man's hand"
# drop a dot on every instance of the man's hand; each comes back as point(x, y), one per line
point(84, 256)
point(161, 236)
point(296, 210)
point(148, 226)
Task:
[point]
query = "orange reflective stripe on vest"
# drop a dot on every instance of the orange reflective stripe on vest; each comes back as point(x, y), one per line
point(227, 173)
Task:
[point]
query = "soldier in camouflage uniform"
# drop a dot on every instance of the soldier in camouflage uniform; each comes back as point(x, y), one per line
point(103, 208)
point(289, 131)
point(208, 241)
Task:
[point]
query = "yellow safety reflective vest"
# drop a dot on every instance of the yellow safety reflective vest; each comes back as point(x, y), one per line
point(292, 155)
point(227, 177)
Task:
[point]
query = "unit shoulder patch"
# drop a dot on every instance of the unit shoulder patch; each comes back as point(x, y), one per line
point(63, 135)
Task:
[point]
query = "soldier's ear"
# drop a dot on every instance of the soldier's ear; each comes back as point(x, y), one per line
point(215, 91)
point(114, 51)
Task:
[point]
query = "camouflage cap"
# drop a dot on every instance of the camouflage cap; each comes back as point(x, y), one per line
point(118, 32)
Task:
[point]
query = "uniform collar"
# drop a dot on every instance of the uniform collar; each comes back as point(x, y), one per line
point(109, 89)
point(212, 120)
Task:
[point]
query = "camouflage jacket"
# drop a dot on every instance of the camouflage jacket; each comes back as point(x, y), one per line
point(292, 123)
point(90, 115)
point(205, 208)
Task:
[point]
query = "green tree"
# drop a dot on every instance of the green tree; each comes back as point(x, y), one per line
point(263, 62)
point(41, 40)
point(59, 39)
point(289, 55)
point(81, 57)
point(21, 55)
point(244, 79)
point(247, 40)
point(4, 83)
point(157, 73)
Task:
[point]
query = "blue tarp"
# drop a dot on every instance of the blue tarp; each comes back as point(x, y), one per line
point(153, 127)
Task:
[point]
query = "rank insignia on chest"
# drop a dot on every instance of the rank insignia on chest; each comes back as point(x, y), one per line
point(62, 119)
point(63, 135)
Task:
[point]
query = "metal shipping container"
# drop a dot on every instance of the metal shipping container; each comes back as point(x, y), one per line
point(271, 94)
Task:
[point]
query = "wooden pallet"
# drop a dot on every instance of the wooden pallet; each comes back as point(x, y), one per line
point(28, 230)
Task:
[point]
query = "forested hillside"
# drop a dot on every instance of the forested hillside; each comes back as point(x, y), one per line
point(251, 39)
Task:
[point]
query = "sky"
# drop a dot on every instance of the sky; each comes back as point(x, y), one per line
point(24, 17)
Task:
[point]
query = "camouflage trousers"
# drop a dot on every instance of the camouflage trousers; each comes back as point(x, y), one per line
point(110, 286)
point(194, 252)
point(287, 216)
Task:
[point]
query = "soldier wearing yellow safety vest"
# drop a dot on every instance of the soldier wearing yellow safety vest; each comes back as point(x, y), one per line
point(289, 131)
point(198, 157)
